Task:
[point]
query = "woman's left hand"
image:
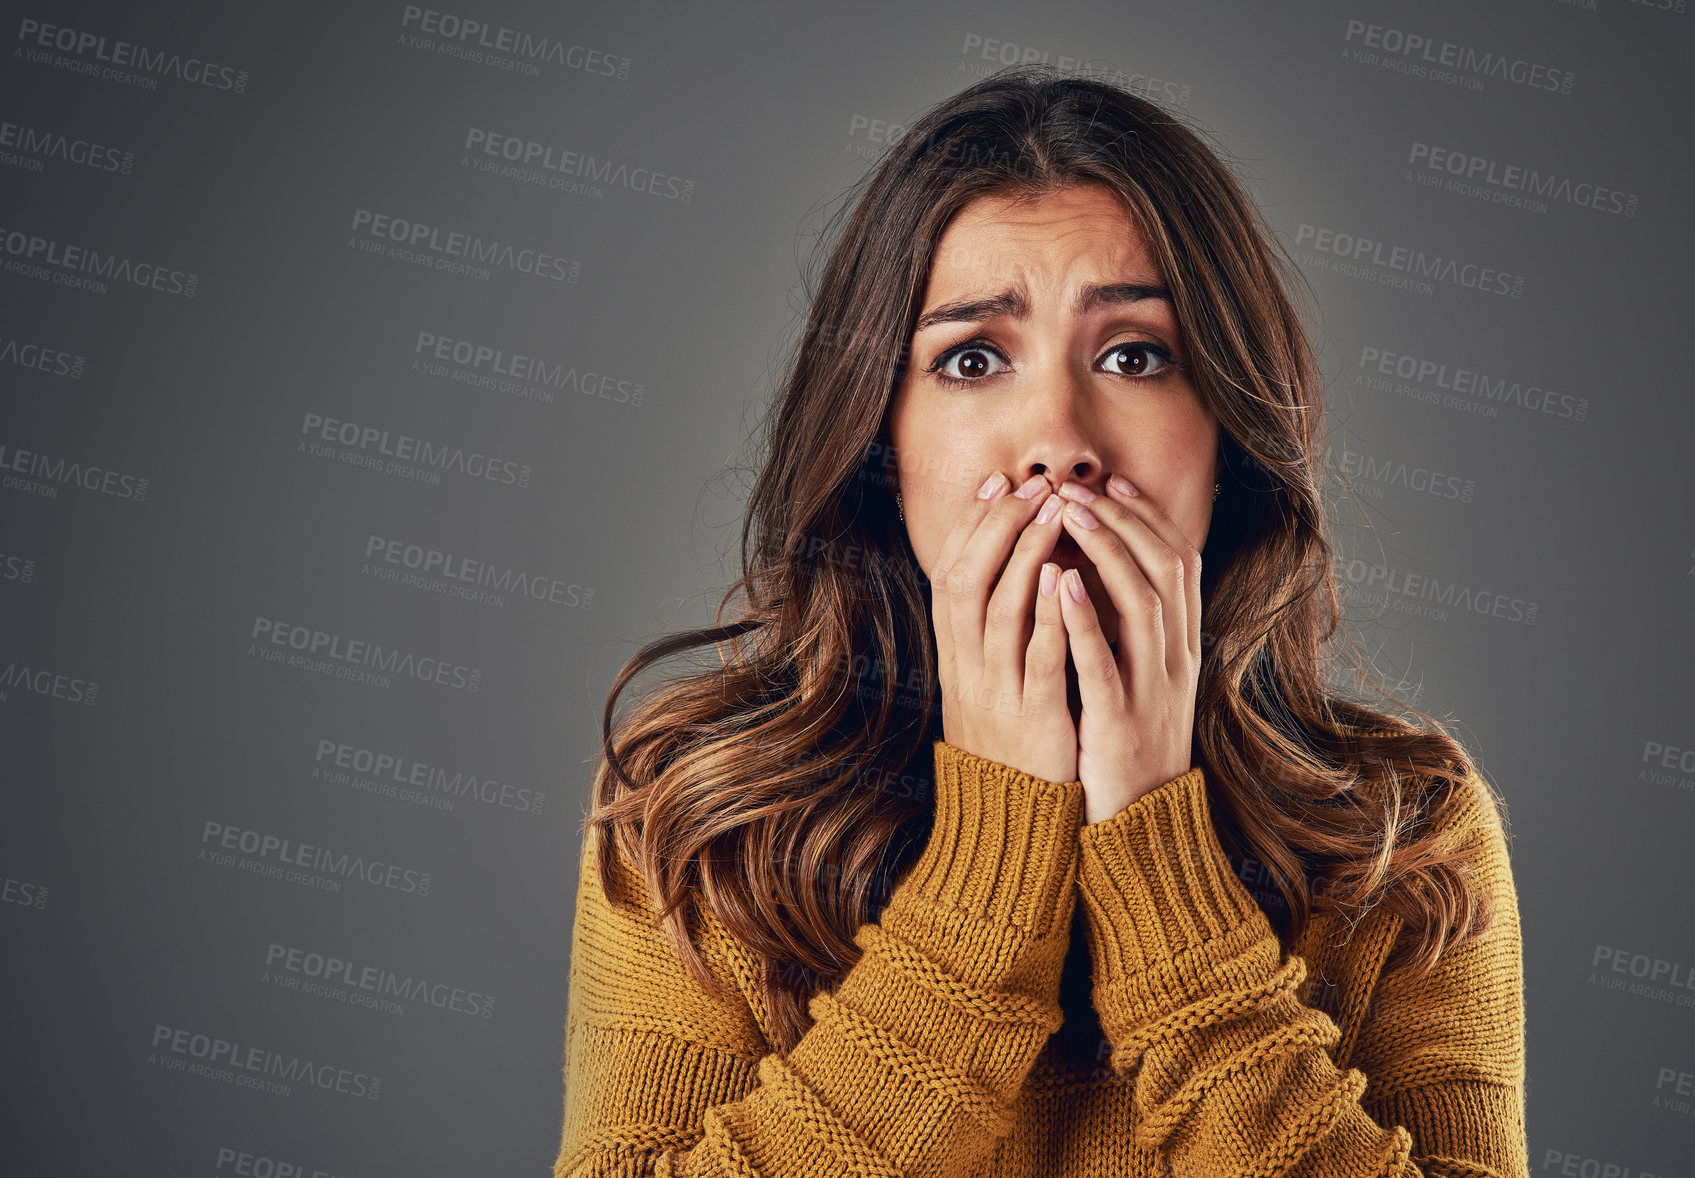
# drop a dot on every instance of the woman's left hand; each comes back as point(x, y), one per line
point(1138, 719)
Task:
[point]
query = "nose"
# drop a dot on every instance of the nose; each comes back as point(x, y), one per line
point(1080, 470)
point(1057, 444)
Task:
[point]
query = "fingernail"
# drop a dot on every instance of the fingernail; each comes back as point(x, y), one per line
point(1074, 582)
point(1076, 492)
point(1122, 485)
point(1083, 515)
point(1031, 485)
point(1050, 508)
point(1050, 579)
point(987, 490)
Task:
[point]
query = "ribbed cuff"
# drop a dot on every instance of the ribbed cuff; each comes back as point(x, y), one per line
point(1154, 883)
point(1003, 847)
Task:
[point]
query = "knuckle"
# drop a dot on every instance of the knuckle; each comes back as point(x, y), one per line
point(1175, 569)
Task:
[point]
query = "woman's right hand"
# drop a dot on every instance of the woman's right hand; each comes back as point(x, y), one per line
point(1002, 677)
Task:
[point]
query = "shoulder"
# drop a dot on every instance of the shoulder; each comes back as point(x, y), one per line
point(1484, 832)
point(1464, 864)
point(628, 939)
point(1474, 820)
point(1463, 821)
point(1463, 808)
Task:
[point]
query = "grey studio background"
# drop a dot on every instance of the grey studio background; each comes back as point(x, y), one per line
point(295, 354)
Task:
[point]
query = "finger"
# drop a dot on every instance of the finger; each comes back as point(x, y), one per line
point(974, 574)
point(1044, 658)
point(965, 520)
point(1098, 682)
point(1007, 622)
point(1142, 640)
point(941, 574)
point(1156, 518)
point(1161, 568)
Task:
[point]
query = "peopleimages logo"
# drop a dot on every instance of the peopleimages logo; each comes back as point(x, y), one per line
point(385, 773)
point(1427, 378)
point(1430, 57)
point(41, 358)
point(115, 60)
point(876, 130)
point(459, 576)
point(16, 567)
point(1664, 981)
point(983, 55)
point(559, 167)
point(1668, 764)
point(49, 684)
point(1401, 265)
point(442, 249)
point(23, 893)
point(1384, 472)
point(29, 147)
point(353, 658)
point(82, 267)
point(317, 866)
point(499, 47)
point(1513, 185)
point(246, 1066)
point(530, 377)
point(66, 472)
point(374, 447)
point(1425, 595)
point(1673, 1087)
point(368, 985)
point(1576, 1165)
point(246, 1164)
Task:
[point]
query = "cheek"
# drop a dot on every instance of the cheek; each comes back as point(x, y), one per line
point(937, 472)
point(1177, 456)
point(940, 460)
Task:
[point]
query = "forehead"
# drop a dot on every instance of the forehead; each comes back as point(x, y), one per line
point(1084, 230)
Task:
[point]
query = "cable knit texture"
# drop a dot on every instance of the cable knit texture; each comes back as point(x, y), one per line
point(1044, 997)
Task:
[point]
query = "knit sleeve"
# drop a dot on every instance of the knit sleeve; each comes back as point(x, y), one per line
point(1233, 1074)
point(912, 1064)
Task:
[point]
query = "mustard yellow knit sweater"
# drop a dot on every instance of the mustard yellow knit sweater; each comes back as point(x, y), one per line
point(1044, 997)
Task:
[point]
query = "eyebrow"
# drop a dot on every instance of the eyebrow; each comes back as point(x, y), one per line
point(1017, 305)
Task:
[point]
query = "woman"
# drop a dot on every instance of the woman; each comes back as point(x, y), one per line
point(1051, 365)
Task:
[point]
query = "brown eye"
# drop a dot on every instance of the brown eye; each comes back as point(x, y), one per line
point(1137, 359)
point(972, 362)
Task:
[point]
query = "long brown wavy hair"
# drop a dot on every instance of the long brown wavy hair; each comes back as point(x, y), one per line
point(787, 783)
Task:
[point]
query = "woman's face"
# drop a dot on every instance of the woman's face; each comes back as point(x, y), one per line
point(1050, 377)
